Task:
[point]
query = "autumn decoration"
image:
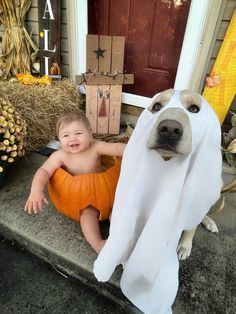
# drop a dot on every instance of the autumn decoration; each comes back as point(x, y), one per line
point(64, 190)
point(29, 79)
point(18, 50)
point(12, 134)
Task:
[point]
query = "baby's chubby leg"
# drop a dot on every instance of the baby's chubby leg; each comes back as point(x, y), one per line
point(89, 221)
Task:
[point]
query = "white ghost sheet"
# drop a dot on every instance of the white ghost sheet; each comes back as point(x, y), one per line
point(155, 201)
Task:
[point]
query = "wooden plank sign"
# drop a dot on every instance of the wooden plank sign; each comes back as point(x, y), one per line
point(104, 78)
point(50, 37)
point(105, 54)
point(103, 104)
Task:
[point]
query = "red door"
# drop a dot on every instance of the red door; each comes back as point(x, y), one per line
point(154, 31)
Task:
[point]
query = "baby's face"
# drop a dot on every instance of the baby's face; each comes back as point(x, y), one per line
point(74, 137)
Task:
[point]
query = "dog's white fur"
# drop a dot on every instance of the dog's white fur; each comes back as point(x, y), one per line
point(182, 146)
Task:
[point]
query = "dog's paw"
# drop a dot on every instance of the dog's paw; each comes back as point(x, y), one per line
point(209, 224)
point(184, 250)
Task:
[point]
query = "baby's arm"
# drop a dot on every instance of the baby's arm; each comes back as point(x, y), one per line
point(110, 149)
point(40, 180)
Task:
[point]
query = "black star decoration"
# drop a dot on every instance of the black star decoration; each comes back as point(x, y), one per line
point(99, 52)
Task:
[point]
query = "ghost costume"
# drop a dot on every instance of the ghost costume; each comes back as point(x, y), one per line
point(155, 201)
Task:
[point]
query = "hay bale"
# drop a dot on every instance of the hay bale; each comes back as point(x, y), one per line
point(40, 106)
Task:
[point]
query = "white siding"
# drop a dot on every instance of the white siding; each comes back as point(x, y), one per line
point(224, 23)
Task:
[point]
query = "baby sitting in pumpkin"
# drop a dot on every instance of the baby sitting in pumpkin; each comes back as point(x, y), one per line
point(78, 184)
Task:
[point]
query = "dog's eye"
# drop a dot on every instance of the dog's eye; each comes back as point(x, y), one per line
point(156, 107)
point(193, 108)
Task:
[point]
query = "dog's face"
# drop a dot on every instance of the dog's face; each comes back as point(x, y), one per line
point(171, 133)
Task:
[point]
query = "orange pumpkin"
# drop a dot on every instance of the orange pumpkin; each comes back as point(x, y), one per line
point(70, 194)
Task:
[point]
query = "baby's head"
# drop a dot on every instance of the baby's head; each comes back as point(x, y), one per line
point(71, 117)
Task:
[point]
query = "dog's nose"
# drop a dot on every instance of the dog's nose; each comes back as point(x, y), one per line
point(170, 129)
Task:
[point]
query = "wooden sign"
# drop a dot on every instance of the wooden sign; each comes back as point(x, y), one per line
point(104, 78)
point(103, 104)
point(105, 53)
point(50, 37)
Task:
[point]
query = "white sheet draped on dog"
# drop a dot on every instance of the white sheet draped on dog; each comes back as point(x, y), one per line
point(155, 201)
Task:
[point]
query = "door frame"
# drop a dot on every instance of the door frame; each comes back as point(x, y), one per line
point(196, 44)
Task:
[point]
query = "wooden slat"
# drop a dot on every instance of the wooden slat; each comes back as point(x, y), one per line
point(92, 79)
point(104, 63)
point(222, 31)
point(32, 27)
point(92, 61)
point(102, 120)
point(216, 48)
point(64, 31)
point(65, 69)
point(63, 16)
point(229, 10)
point(65, 57)
point(115, 109)
point(35, 39)
point(34, 3)
point(118, 46)
point(64, 45)
point(91, 106)
point(32, 14)
point(63, 4)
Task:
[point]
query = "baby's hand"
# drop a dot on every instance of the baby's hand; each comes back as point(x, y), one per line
point(35, 201)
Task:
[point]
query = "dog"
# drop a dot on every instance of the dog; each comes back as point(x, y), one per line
point(161, 196)
point(171, 136)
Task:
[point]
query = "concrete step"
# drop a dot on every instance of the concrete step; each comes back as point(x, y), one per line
point(59, 241)
point(50, 235)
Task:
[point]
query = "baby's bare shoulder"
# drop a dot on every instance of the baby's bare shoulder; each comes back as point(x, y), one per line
point(98, 145)
point(57, 154)
point(110, 149)
point(57, 157)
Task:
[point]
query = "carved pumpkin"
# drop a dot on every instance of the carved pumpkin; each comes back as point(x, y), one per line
point(70, 194)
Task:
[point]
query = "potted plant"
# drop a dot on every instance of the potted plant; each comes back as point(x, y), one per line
point(12, 136)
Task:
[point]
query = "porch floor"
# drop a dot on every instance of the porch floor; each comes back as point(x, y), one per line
point(58, 240)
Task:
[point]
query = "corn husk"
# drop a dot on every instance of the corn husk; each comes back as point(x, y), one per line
point(229, 147)
point(18, 49)
point(232, 147)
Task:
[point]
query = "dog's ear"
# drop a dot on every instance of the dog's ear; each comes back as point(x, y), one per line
point(160, 100)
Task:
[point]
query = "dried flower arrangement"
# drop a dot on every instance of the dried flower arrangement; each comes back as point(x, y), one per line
point(12, 134)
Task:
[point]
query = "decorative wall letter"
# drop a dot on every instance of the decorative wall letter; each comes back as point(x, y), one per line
point(50, 37)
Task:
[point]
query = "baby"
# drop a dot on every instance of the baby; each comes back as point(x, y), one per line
point(78, 158)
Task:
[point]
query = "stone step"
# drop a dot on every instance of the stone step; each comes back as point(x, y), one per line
point(58, 239)
point(50, 235)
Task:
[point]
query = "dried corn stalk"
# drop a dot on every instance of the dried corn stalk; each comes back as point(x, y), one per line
point(17, 46)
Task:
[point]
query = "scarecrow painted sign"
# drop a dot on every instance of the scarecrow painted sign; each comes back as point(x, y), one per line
point(104, 78)
point(49, 40)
